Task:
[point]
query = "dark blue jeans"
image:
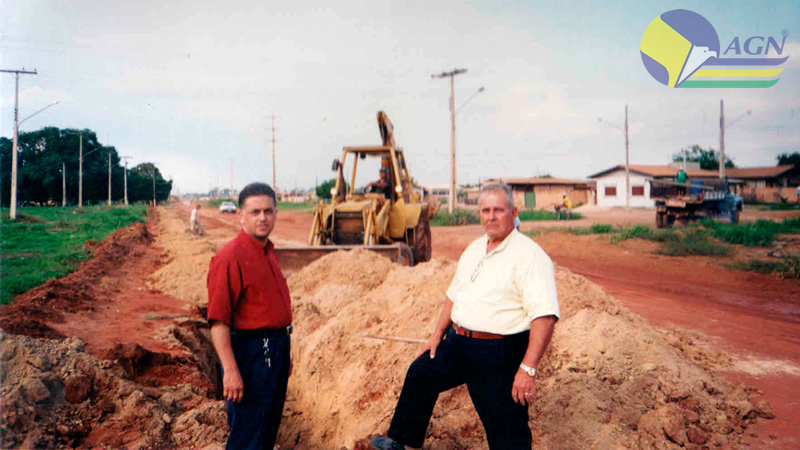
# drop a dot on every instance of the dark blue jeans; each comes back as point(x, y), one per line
point(488, 368)
point(255, 419)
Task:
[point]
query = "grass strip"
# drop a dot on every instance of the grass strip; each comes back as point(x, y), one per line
point(696, 242)
point(46, 242)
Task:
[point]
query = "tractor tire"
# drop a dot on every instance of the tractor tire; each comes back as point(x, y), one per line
point(660, 223)
point(422, 246)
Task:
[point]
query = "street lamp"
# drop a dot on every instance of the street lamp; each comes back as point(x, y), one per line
point(722, 128)
point(13, 212)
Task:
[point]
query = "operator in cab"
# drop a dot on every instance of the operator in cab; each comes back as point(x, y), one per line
point(382, 186)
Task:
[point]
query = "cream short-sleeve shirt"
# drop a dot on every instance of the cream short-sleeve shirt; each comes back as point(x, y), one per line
point(503, 291)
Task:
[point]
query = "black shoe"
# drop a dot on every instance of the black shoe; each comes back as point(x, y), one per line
point(379, 443)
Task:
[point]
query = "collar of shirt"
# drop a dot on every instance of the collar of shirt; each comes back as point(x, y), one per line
point(255, 244)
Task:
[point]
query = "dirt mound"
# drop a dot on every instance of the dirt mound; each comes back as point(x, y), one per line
point(77, 291)
point(184, 276)
point(609, 380)
point(55, 395)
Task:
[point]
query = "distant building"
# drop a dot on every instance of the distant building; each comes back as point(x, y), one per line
point(772, 184)
point(540, 193)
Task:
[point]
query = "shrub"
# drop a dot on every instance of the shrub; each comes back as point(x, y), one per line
point(695, 242)
point(636, 231)
point(458, 217)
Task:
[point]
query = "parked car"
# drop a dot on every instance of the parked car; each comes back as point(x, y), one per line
point(227, 207)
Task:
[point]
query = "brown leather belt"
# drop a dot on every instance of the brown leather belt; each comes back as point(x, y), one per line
point(475, 334)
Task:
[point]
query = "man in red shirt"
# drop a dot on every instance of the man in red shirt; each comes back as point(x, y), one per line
point(249, 310)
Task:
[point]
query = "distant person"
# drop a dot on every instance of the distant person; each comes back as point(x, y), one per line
point(194, 220)
point(249, 309)
point(564, 208)
point(798, 195)
point(382, 186)
point(517, 222)
point(495, 324)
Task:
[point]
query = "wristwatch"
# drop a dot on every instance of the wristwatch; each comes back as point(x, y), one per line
point(529, 370)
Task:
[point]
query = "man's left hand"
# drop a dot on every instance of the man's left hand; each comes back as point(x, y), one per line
point(524, 389)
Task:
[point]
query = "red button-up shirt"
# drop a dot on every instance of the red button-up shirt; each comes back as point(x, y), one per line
point(246, 288)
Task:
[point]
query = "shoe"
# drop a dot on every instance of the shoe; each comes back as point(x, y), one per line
point(379, 443)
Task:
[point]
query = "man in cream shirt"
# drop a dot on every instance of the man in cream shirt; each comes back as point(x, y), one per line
point(496, 323)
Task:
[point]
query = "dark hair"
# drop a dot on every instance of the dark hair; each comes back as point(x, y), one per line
point(256, 188)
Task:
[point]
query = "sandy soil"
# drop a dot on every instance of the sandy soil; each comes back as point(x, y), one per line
point(137, 312)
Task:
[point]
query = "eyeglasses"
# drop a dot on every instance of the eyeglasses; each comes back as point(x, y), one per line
point(477, 270)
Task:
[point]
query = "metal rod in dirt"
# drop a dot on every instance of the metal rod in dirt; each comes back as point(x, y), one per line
point(395, 338)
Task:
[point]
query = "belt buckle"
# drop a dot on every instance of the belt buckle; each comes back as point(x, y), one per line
point(289, 330)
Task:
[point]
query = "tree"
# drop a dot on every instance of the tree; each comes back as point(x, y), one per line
point(324, 189)
point(140, 183)
point(43, 153)
point(708, 159)
point(784, 159)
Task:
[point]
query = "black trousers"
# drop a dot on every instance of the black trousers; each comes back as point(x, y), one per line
point(264, 365)
point(488, 368)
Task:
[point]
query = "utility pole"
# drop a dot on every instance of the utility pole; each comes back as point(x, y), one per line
point(154, 185)
point(80, 172)
point(274, 172)
point(13, 212)
point(63, 184)
point(109, 176)
point(231, 165)
point(722, 139)
point(627, 165)
point(126, 179)
point(453, 184)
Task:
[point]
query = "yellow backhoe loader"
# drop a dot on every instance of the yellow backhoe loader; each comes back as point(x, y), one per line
point(388, 217)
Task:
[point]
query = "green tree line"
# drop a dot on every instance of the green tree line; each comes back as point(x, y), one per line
point(39, 165)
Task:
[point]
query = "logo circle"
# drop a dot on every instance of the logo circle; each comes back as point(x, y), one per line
point(675, 44)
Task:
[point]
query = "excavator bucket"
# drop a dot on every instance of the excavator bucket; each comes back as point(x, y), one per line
point(292, 259)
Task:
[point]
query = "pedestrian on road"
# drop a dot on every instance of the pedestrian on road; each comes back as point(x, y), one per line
point(249, 310)
point(195, 221)
point(497, 320)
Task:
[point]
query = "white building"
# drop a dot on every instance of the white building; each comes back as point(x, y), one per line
point(611, 183)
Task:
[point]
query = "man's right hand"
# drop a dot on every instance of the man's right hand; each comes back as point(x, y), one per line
point(232, 385)
point(432, 344)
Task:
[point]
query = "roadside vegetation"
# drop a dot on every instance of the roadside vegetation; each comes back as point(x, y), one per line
point(470, 217)
point(444, 218)
point(47, 242)
point(710, 238)
point(537, 214)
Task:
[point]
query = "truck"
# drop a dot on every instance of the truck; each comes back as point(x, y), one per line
point(693, 200)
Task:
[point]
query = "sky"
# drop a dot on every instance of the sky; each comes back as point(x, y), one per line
point(193, 85)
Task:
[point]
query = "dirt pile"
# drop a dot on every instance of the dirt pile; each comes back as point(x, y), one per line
point(184, 276)
point(55, 395)
point(609, 380)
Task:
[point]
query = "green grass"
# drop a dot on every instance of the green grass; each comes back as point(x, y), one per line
point(458, 217)
point(789, 267)
point(756, 265)
point(529, 215)
point(47, 242)
point(772, 206)
point(299, 207)
point(218, 201)
point(755, 234)
point(597, 228)
point(696, 242)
